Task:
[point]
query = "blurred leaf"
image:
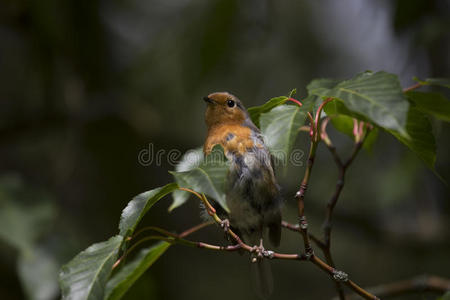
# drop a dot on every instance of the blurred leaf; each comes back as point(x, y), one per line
point(376, 96)
point(208, 178)
point(190, 160)
point(85, 276)
point(445, 296)
point(444, 82)
point(118, 285)
point(434, 104)
point(256, 111)
point(38, 272)
point(20, 225)
point(292, 93)
point(421, 140)
point(280, 128)
point(138, 207)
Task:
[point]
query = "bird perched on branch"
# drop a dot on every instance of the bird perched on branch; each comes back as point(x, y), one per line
point(252, 193)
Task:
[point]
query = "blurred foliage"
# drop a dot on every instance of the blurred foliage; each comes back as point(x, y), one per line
point(86, 85)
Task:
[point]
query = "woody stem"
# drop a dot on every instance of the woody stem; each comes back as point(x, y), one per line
point(300, 195)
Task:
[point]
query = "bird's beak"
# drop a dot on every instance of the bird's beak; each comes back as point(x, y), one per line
point(208, 100)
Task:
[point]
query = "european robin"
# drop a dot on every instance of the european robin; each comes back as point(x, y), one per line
point(252, 194)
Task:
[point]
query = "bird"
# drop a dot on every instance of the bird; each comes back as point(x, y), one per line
point(252, 193)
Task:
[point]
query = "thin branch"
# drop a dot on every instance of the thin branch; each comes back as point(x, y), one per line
point(324, 249)
point(340, 276)
point(195, 228)
point(414, 285)
point(412, 87)
point(296, 228)
point(317, 120)
point(174, 239)
point(300, 195)
point(238, 240)
point(339, 186)
point(170, 238)
point(148, 238)
point(342, 167)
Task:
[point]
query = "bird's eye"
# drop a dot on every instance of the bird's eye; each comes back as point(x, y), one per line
point(230, 103)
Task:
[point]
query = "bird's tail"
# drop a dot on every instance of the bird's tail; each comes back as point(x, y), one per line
point(262, 280)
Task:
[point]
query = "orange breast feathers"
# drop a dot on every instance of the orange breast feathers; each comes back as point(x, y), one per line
point(233, 138)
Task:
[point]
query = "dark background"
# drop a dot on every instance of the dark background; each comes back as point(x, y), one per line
point(85, 85)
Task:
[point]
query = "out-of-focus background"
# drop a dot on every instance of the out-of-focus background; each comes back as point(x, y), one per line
point(87, 85)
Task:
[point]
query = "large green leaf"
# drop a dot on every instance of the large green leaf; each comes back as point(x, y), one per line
point(208, 178)
point(85, 276)
point(190, 160)
point(280, 128)
point(434, 104)
point(118, 285)
point(421, 140)
point(138, 207)
point(376, 96)
point(318, 86)
point(445, 82)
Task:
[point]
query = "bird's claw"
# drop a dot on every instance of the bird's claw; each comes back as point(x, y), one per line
point(260, 252)
point(225, 224)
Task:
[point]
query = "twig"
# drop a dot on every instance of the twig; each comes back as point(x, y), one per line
point(300, 196)
point(237, 239)
point(195, 228)
point(296, 228)
point(342, 167)
point(417, 284)
point(412, 87)
point(338, 276)
point(339, 186)
point(170, 238)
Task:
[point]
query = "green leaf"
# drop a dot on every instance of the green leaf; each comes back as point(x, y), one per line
point(190, 160)
point(38, 272)
point(280, 128)
point(138, 207)
point(445, 82)
point(376, 96)
point(256, 111)
point(85, 276)
point(421, 140)
point(343, 124)
point(371, 139)
point(321, 85)
point(208, 178)
point(434, 104)
point(317, 87)
point(119, 284)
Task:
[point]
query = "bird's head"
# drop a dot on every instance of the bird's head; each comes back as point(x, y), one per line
point(224, 108)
